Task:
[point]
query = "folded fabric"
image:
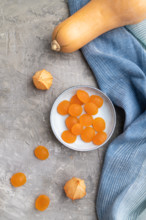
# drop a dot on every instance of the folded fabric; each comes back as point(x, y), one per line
point(139, 31)
point(118, 62)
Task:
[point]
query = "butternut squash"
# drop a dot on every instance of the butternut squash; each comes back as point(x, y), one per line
point(94, 19)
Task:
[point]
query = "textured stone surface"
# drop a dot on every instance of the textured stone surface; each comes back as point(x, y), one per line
point(25, 35)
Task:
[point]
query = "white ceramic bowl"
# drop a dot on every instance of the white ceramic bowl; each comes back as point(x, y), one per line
point(107, 112)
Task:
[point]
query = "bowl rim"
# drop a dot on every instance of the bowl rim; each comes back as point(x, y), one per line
point(96, 146)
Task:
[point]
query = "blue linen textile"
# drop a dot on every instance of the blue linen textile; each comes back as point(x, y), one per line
point(139, 31)
point(118, 62)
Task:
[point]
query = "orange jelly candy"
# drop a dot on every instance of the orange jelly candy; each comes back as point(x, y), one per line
point(70, 121)
point(99, 124)
point(86, 120)
point(75, 100)
point(68, 137)
point(18, 179)
point(42, 202)
point(91, 108)
point(77, 129)
point(88, 134)
point(63, 107)
point(41, 152)
point(99, 138)
point(75, 110)
point(83, 96)
point(97, 100)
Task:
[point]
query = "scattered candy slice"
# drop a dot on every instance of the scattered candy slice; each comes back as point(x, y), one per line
point(18, 179)
point(99, 124)
point(88, 134)
point(86, 120)
point(41, 152)
point(68, 137)
point(70, 121)
point(83, 96)
point(77, 129)
point(75, 110)
point(75, 100)
point(91, 108)
point(99, 138)
point(42, 202)
point(97, 100)
point(63, 107)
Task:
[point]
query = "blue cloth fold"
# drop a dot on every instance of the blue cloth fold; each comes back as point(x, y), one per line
point(118, 62)
point(139, 31)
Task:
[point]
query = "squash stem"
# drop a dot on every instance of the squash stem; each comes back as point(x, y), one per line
point(55, 46)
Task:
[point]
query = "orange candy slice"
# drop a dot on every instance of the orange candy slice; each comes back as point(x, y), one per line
point(77, 129)
point(99, 124)
point(42, 202)
point(75, 100)
point(70, 121)
point(97, 100)
point(68, 137)
point(83, 96)
point(75, 110)
point(63, 107)
point(99, 138)
point(18, 179)
point(91, 108)
point(86, 120)
point(41, 152)
point(88, 134)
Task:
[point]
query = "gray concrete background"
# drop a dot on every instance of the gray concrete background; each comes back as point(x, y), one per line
point(25, 35)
